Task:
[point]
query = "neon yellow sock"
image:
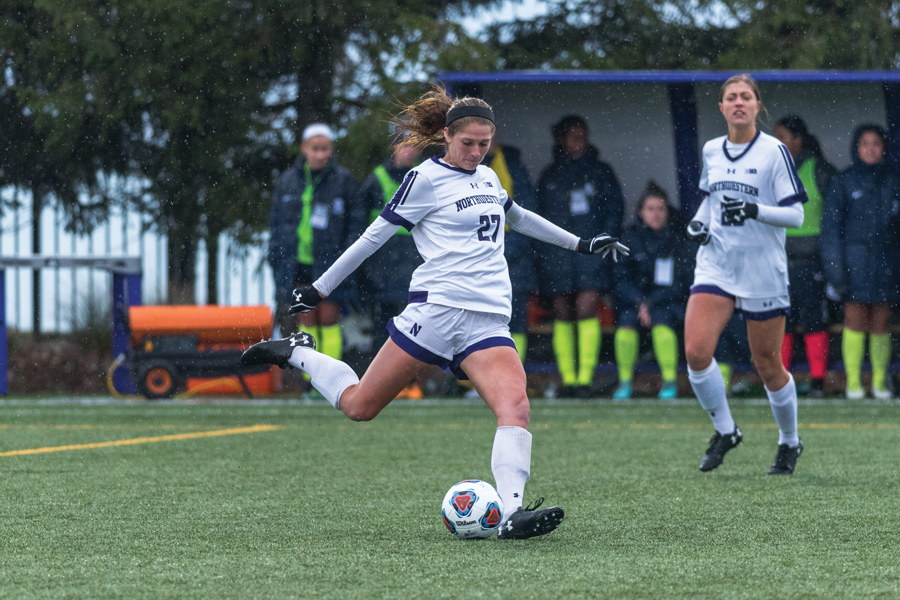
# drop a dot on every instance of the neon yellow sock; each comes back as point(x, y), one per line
point(880, 355)
point(725, 369)
point(521, 341)
point(331, 341)
point(625, 343)
point(665, 347)
point(853, 346)
point(589, 338)
point(564, 349)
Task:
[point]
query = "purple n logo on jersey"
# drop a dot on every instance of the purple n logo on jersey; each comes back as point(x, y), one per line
point(416, 328)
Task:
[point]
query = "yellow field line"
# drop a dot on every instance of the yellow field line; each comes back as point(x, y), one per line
point(145, 440)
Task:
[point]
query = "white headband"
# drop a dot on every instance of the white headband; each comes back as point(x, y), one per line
point(318, 129)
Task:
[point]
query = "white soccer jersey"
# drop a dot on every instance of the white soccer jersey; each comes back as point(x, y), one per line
point(746, 260)
point(457, 218)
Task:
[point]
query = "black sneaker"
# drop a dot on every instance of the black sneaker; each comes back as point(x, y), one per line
point(529, 522)
point(276, 352)
point(718, 445)
point(786, 459)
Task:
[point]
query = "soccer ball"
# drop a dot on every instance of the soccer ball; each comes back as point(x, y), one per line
point(472, 509)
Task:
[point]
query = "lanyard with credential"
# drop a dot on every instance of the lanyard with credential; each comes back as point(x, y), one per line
point(304, 230)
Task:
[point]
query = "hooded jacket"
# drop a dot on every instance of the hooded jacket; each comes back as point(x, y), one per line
point(859, 226)
point(340, 220)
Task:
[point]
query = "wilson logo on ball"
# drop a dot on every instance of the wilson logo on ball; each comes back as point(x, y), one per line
point(463, 501)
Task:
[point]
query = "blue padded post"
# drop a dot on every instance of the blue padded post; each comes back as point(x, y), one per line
point(126, 292)
point(683, 106)
point(892, 117)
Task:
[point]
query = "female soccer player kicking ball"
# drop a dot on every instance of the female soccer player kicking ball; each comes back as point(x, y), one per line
point(752, 195)
point(459, 299)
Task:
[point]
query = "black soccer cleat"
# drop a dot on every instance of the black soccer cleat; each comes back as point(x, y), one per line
point(786, 459)
point(276, 352)
point(529, 522)
point(718, 445)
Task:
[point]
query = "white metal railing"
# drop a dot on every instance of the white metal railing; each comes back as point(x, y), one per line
point(68, 293)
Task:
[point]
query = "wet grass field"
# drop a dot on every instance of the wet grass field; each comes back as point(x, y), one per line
point(269, 499)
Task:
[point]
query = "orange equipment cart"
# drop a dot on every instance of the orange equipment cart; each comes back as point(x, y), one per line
point(175, 346)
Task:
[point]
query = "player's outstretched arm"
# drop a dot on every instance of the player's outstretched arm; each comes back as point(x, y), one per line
point(533, 225)
point(371, 240)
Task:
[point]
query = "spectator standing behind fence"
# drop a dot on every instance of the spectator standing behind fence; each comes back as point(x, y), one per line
point(507, 163)
point(752, 195)
point(651, 290)
point(860, 253)
point(808, 304)
point(314, 216)
point(583, 195)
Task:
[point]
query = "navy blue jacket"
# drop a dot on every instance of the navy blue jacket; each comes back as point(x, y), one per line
point(635, 275)
point(859, 230)
point(601, 211)
point(336, 194)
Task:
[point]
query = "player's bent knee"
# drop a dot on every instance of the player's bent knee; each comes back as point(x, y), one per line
point(697, 356)
point(359, 413)
point(357, 408)
point(772, 373)
point(515, 412)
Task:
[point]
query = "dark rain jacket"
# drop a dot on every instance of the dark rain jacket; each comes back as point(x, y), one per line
point(582, 196)
point(859, 230)
point(341, 221)
point(635, 277)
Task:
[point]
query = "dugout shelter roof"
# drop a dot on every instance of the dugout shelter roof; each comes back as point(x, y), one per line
point(653, 124)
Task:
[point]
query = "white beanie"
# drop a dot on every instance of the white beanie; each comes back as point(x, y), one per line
point(318, 129)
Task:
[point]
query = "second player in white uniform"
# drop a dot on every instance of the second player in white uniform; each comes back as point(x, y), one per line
point(752, 194)
point(747, 258)
point(459, 306)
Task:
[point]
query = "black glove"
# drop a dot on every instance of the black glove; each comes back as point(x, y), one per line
point(304, 299)
point(603, 244)
point(699, 232)
point(735, 212)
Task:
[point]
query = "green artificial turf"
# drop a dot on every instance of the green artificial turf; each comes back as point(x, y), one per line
point(326, 508)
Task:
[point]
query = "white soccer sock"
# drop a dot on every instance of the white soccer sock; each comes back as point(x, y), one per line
point(709, 386)
point(511, 465)
point(329, 375)
point(784, 409)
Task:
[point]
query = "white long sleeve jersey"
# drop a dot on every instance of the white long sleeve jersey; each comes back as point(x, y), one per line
point(457, 219)
point(748, 260)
